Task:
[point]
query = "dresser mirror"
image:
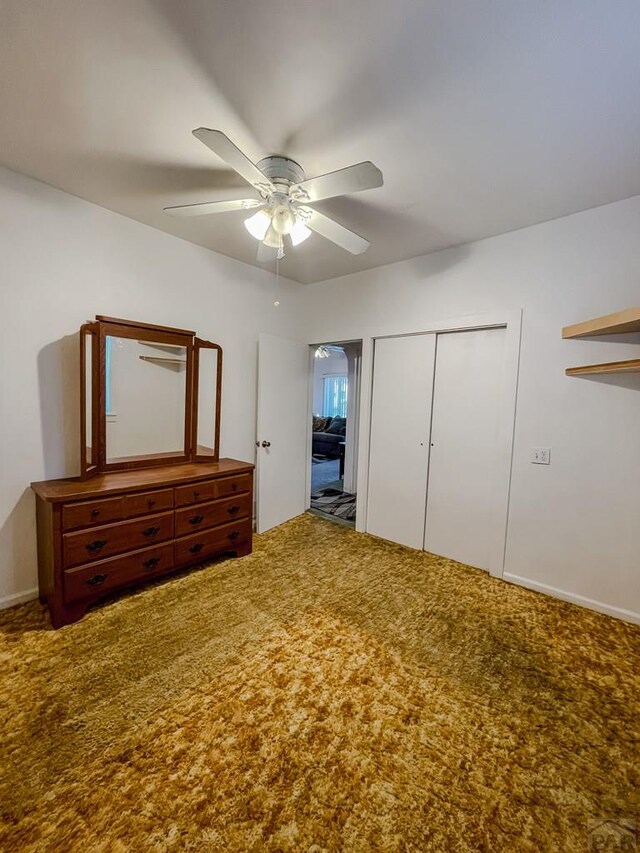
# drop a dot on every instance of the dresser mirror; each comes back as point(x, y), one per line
point(150, 395)
point(145, 398)
point(207, 391)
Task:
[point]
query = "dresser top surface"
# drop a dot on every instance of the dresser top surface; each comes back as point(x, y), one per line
point(73, 488)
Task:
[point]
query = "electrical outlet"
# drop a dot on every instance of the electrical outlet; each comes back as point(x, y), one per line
point(541, 455)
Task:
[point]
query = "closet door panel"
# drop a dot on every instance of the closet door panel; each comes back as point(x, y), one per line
point(465, 450)
point(399, 446)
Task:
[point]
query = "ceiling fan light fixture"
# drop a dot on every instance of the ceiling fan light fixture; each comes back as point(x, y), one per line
point(283, 219)
point(272, 239)
point(258, 224)
point(299, 233)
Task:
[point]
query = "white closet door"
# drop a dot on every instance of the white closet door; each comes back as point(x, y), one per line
point(399, 444)
point(465, 457)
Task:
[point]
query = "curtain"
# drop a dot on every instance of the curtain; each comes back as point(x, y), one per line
point(335, 397)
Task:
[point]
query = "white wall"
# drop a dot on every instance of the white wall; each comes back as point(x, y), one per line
point(65, 260)
point(574, 526)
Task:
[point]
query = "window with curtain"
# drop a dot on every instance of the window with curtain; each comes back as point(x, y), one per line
point(334, 402)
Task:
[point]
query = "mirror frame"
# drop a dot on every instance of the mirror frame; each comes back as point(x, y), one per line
point(89, 467)
point(199, 345)
point(111, 326)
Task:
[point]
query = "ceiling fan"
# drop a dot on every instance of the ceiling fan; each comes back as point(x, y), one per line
point(285, 203)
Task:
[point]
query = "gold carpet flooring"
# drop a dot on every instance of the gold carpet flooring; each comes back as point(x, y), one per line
point(330, 692)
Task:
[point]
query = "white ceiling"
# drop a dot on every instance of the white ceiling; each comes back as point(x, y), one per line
point(484, 115)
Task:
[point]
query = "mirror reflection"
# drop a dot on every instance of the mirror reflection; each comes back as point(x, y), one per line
point(145, 398)
point(207, 391)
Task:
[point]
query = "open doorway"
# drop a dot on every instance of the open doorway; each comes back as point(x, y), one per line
point(334, 430)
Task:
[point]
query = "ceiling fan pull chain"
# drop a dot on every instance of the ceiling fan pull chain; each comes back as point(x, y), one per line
point(276, 301)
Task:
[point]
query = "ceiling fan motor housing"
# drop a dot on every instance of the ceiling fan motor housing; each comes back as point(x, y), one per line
point(282, 171)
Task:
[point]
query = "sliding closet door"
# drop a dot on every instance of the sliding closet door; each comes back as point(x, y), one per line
point(399, 444)
point(466, 453)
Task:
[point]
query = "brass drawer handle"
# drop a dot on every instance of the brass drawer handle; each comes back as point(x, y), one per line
point(233, 510)
point(233, 535)
point(96, 545)
point(196, 519)
point(197, 546)
point(151, 563)
point(96, 580)
point(151, 531)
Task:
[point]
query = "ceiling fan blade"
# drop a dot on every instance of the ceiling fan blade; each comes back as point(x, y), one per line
point(353, 179)
point(221, 145)
point(333, 231)
point(212, 207)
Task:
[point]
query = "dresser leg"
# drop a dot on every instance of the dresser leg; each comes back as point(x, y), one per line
point(245, 549)
point(65, 614)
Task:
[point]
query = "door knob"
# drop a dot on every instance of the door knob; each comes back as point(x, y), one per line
point(266, 444)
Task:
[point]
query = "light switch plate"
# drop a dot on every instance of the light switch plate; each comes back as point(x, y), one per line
point(540, 455)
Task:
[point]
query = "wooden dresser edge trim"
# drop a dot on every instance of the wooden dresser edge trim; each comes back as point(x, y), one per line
point(92, 489)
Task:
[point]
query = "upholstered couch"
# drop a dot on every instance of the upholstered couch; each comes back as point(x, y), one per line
point(327, 435)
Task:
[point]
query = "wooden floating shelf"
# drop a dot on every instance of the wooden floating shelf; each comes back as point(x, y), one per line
point(160, 360)
point(631, 366)
point(620, 323)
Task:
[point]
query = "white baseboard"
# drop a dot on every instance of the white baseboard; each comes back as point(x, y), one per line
point(18, 598)
point(580, 600)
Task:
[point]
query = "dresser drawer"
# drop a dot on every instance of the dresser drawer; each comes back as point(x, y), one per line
point(89, 545)
point(227, 486)
point(207, 515)
point(146, 502)
point(89, 513)
point(104, 575)
point(195, 493)
point(201, 545)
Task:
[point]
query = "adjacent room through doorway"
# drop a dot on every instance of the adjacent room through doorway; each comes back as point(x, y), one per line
point(335, 402)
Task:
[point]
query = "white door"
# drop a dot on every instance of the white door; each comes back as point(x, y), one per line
point(399, 444)
point(283, 430)
point(466, 456)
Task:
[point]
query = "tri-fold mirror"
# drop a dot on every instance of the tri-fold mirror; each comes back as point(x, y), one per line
point(150, 395)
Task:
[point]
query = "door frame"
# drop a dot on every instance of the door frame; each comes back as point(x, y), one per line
point(511, 321)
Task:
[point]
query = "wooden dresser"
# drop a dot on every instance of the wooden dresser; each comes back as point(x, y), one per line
point(118, 529)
